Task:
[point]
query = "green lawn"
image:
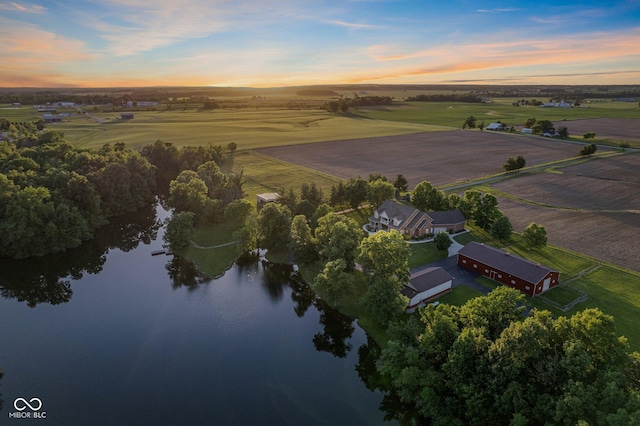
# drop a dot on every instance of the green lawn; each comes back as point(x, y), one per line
point(617, 293)
point(459, 295)
point(212, 261)
point(360, 216)
point(267, 174)
point(561, 295)
point(424, 253)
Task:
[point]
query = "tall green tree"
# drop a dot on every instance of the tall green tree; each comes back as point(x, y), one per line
point(442, 241)
point(333, 281)
point(338, 237)
point(379, 191)
point(487, 212)
point(356, 191)
point(401, 183)
point(589, 149)
point(274, 223)
point(469, 122)
point(427, 198)
point(535, 236)
point(179, 231)
point(303, 245)
point(502, 228)
point(384, 257)
point(188, 192)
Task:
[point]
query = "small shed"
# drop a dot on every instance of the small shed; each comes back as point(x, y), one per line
point(267, 197)
point(126, 116)
point(426, 284)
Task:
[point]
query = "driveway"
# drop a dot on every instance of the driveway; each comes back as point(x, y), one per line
point(461, 276)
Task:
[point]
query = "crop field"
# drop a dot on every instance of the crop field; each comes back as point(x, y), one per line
point(453, 114)
point(438, 157)
point(612, 237)
point(579, 191)
point(591, 207)
point(623, 129)
point(249, 128)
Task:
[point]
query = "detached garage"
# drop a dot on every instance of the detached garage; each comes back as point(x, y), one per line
point(426, 284)
point(528, 277)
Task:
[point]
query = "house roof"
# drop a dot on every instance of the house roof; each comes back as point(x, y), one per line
point(268, 196)
point(448, 217)
point(494, 126)
point(505, 262)
point(428, 278)
point(399, 211)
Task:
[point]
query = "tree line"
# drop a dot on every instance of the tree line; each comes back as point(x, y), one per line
point(53, 195)
point(486, 362)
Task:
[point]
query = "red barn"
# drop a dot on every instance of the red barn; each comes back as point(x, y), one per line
point(505, 268)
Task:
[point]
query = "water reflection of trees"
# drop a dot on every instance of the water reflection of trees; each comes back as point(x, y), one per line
point(185, 273)
point(48, 279)
point(337, 328)
point(391, 405)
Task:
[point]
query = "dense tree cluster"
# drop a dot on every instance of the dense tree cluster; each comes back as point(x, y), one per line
point(54, 196)
point(343, 104)
point(464, 97)
point(171, 160)
point(21, 130)
point(589, 149)
point(483, 363)
point(308, 201)
point(514, 163)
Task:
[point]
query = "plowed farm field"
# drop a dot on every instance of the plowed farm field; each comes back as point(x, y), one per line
point(593, 207)
point(626, 129)
point(438, 157)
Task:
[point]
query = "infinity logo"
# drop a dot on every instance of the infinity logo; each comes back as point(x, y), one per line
point(37, 404)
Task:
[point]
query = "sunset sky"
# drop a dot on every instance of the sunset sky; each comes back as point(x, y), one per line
point(106, 43)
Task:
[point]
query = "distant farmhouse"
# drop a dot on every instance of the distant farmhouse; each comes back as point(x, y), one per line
point(496, 126)
point(426, 284)
point(408, 220)
point(561, 104)
point(141, 103)
point(513, 271)
point(48, 118)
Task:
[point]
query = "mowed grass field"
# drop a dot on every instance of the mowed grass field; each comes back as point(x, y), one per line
point(266, 174)
point(453, 114)
point(248, 127)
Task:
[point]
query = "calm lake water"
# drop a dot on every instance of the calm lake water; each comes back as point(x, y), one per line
point(108, 334)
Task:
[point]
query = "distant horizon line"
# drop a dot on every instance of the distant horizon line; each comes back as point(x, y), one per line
point(457, 84)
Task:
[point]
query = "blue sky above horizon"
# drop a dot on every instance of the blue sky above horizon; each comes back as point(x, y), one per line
point(108, 43)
